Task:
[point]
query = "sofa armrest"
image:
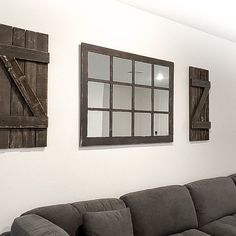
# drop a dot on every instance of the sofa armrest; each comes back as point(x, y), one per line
point(34, 225)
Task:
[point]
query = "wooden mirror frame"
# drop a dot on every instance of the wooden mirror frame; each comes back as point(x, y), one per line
point(92, 141)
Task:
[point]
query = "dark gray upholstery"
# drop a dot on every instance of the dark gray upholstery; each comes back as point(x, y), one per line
point(213, 198)
point(225, 226)
point(191, 232)
point(161, 211)
point(108, 223)
point(174, 210)
point(36, 226)
point(6, 234)
point(70, 216)
point(233, 177)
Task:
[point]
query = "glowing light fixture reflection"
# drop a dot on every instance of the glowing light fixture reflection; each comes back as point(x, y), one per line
point(160, 77)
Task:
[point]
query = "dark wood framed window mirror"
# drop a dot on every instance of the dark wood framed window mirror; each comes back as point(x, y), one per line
point(125, 98)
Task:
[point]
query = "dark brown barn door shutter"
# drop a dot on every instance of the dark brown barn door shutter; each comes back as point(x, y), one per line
point(24, 62)
point(199, 87)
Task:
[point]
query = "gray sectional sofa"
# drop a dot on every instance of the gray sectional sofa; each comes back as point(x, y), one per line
point(201, 208)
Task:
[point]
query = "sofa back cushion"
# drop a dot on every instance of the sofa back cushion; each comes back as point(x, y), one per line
point(70, 216)
point(108, 223)
point(161, 211)
point(233, 177)
point(213, 198)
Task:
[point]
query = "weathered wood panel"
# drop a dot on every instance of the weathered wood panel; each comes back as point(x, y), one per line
point(5, 86)
point(199, 87)
point(26, 122)
point(16, 141)
point(31, 74)
point(201, 125)
point(23, 88)
point(42, 83)
point(24, 53)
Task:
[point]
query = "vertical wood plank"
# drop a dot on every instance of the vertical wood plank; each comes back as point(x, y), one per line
point(30, 72)
point(5, 86)
point(16, 141)
point(199, 92)
point(206, 108)
point(203, 116)
point(41, 87)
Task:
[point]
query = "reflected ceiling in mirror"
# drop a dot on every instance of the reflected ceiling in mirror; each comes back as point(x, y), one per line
point(98, 66)
point(143, 73)
point(161, 76)
point(122, 70)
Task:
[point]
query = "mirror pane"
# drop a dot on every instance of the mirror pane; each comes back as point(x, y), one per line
point(98, 66)
point(161, 100)
point(98, 124)
point(122, 70)
point(143, 73)
point(98, 95)
point(142, 99)
point(142, 124)
point(121, 125)
point(161, 76)
point(122, 97)
point(161, 124)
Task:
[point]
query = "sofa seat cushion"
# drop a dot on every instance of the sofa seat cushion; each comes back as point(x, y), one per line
point(191, 232)
point(225, 226)
point(213, 198)
point(161, 211)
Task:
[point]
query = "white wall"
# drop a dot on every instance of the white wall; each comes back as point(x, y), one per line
point(63, 172)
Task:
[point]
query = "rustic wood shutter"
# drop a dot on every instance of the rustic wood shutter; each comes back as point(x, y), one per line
point(199, 87)
point(24, 62)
